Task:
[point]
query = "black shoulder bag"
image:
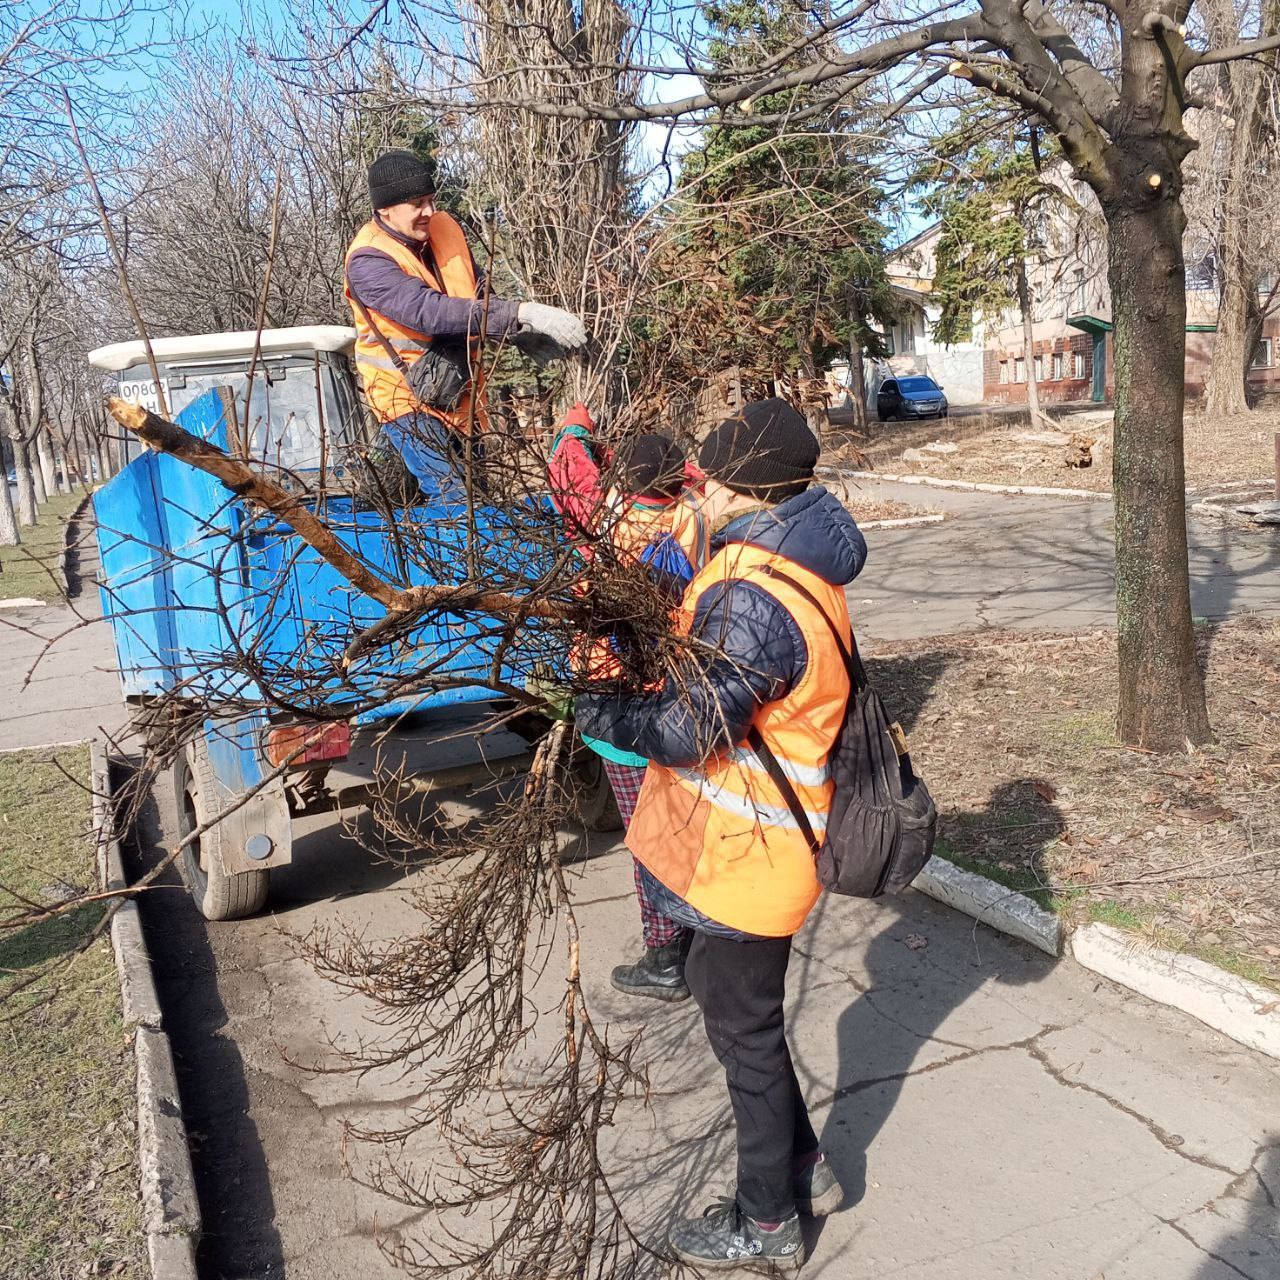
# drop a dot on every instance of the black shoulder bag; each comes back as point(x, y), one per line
point(882, 823)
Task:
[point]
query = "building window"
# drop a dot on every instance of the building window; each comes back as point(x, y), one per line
point(1038, 365)
point(1077, 366)
point(1262, 356)
point(1057, 366)
point(1082, 297)
point(1004, 372)
point(1019, 370)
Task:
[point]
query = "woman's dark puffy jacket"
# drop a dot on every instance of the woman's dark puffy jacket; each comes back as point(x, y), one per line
point(755, 652)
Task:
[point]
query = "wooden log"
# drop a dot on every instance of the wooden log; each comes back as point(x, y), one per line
point(403, 602)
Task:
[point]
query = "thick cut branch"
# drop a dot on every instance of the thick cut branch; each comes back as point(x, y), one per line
point(167, 437)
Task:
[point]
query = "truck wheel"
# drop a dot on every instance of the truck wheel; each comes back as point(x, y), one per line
point(218, 894)
point(597, 809)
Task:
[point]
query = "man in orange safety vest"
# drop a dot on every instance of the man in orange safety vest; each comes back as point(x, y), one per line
point(421, 308)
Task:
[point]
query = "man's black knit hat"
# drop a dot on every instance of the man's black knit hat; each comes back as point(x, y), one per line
point(651, 466)
point(397, 176)
point(766, 452)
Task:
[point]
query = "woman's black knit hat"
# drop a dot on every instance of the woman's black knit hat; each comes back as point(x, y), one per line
point(398, 176)
point(651, 466)
point(766, 452)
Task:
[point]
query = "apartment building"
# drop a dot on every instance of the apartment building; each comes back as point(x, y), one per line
point(1072, 353)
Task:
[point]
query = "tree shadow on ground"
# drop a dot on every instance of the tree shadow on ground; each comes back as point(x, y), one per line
point(38, 944)
point(236, 1204)
point(1251, 1248)
point(913, 972)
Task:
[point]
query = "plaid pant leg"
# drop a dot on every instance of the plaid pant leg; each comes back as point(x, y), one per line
point(626, 781)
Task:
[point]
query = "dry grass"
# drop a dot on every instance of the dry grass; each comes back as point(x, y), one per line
point(867, 509)
point(1217, 449)
point(68, 1164)
point(1016, 739)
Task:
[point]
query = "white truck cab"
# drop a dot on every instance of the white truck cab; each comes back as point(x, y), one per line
point(304, 398)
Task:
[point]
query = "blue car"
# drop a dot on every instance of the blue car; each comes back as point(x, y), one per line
point(913, 397)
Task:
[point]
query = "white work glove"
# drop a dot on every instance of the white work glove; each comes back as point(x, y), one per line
point(562, 327)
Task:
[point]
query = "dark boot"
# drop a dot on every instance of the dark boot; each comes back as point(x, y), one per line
point(658, 974)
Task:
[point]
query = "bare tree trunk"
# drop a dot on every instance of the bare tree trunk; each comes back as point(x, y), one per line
point(1224, 391)
point(104, 462)
point(48, 470)
point(858, 386)
point(71, 459)
point(37, 475)
point(1028, 344)
point(9, 536)
point(1162, 703)
point(26, 486)
point(82, 456)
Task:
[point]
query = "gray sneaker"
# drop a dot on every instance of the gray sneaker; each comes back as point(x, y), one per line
point(816, 1190)
point(724, 1238)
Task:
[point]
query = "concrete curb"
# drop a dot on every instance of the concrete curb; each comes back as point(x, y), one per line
point(1238, 1008)
point(1004, 909)
point(903, 522)
point(1243, 1010)
point(1226, 485)
point(970, 486)
point(170, 1208)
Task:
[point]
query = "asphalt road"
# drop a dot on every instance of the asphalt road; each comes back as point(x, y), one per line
point(1035, 564)
point(992, 1114)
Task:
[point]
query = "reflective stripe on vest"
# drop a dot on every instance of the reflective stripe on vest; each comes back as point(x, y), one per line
point(719, 793)
point(720, 834)
point(384, 384)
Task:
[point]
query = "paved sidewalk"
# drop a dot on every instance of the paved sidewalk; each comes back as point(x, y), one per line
point(993, 1115)
point(68, 690)
point(1038, 564)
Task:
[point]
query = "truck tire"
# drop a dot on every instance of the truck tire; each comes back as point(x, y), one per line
point(217, 894)
point(597, 808)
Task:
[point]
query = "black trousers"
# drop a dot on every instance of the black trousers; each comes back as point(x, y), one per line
point(739, 988)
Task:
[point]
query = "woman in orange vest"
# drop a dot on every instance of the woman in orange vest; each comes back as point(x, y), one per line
point(720, 848)
point(416, 296)
point(650, 517)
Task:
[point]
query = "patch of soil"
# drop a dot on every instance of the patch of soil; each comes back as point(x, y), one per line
point(1016, 739)
point(866, 509)
point(989, 452)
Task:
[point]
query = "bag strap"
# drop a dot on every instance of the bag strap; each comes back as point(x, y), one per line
point(857, 682)
point(852, 660)
point(392, 354)
point(780, 780)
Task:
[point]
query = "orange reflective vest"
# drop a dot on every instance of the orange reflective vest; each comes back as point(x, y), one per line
point(640, 524)
point(720, 834)
point(384, 384)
